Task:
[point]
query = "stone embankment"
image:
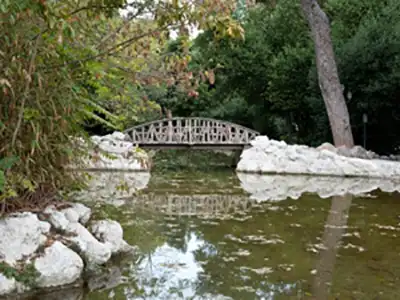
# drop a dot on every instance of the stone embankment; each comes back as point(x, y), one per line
point(277, 157)
point(114, 152)
point(53, 248)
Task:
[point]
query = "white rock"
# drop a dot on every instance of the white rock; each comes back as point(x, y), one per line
point(56, 218)
point(117, 135)
point(71, 214)
point(77, 213)
point(125, 155)
point(327, 146)
point(259, 140)
point(109, 232)
point(84, 213)
point(108, 144)
point(7, 285)
point(21, 235)
point(58, 266)
point(96, 139)
point(270, 156)
point(94, 252)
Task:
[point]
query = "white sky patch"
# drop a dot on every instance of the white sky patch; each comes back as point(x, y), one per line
point(131, 9)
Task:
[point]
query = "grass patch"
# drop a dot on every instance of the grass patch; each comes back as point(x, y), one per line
point(26, 274)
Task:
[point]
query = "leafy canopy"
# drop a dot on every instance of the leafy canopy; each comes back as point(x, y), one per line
point(66, 63)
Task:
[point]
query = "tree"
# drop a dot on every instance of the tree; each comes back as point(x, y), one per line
point(259, 81)
point(60, 61)
point(328, 76)
point(269, 80)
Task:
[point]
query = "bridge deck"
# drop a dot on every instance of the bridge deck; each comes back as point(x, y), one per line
point(191, 133)
point(192, 146)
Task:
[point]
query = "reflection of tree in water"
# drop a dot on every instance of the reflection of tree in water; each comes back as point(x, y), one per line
point(371, 273)
point(178, 232)
point(334, 229)
point(146, 234)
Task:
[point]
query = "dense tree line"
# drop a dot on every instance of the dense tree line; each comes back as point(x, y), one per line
point(269, 80)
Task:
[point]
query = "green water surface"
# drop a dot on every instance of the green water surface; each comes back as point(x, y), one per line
point(201, 236)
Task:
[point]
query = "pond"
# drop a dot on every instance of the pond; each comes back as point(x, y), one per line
point(220, 236)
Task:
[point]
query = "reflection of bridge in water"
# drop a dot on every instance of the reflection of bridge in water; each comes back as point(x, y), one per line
point(190, 205)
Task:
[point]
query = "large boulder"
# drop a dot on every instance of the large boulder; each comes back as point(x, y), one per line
point(270, 156)
point(55, 247)
point(328, 146)
point(356, 151)
point(59, 265)
point(60, 219)
point(110, 233)
point(112, 152)
point(360, 152)
point(93, 251)
point(77, 212)
point(21, 236)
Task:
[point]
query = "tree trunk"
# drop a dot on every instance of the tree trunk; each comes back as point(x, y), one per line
point(328, 76)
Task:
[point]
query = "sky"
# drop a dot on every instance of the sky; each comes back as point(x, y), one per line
point(193, 30)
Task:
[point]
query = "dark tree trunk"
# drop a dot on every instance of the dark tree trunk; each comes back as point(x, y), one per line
point(328, 76)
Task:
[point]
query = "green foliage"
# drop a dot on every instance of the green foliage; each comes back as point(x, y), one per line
point(370, 68)
point(40, 107)
point(255, 78)
point(268, 81)
point(176, 160)
point(26, 274)
point(66, 65)
point(5, 164)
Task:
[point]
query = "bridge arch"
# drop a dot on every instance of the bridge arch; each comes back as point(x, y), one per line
point(191, 133)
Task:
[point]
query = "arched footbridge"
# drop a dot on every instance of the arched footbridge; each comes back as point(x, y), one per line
point(196, 133)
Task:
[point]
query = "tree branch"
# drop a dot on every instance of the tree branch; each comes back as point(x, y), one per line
point(115, 49)
point(124, 24)
point(89, 7)
point(25, 95)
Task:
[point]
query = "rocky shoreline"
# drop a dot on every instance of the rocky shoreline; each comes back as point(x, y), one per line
point(113, 152)
point(54, 248)
point(267, 156)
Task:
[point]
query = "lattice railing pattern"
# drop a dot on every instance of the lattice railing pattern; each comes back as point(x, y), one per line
point(191, 131)
point(196, 204)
